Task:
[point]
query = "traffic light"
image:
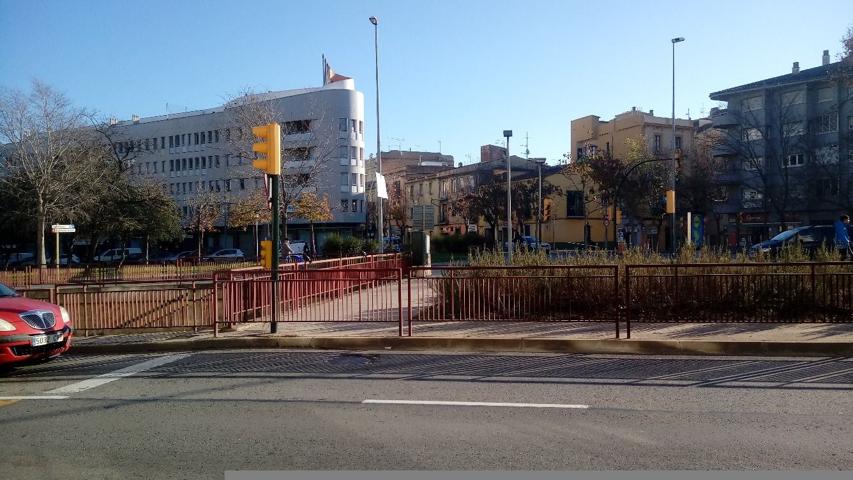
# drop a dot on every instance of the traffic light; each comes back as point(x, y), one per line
point(266, 254)
point(269, 148)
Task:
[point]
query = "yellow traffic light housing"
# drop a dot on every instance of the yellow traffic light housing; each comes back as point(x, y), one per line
point(670, 201)
point(269, 148)
point(266, 254)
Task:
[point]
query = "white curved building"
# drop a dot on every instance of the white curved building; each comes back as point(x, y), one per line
point(193, 152)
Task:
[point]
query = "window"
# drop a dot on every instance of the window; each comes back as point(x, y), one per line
point(344, 205)
point(795, 160)
point(183, 164)
point(793, 129)
point(342, 151)
point(172, 165)
point(217, 161)
point(677, 144)
point(171, 141)
point(228, 185)
point(354, 124)
point(203, 162)
point(210, 161)
point(657, 144)
point(344, 179)
point(227, 134)
point(342, 124)
point(210, 186)
point(827, 123)
point(751, 134)
point(202, 138)
point(216, 136)
point(574, 204)
point(163, 166)
point(825, 94)
point(353, 153)
point(793, 98)
point(361, 154)
point(197, 163)
point(195, 137)
point(227, 160)
point(297, 126)
point(361, 180)
point(210, 136)
point(355, 205)
point(752, 104)
point(242, 184)
point(162, 142)
point(360, 127)
point(752, 194)
point(353, 179)
point(756, 163)
point(218, 186)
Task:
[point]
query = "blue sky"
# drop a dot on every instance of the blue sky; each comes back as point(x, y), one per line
point(458, 72)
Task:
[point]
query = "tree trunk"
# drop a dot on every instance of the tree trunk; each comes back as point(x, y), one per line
point(146, 249)
point(41, 221)
point(313, 240)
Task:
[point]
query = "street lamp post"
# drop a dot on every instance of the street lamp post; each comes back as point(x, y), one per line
point(380, 226)
point(508, 134)
point(539, 163)
point(671, 196)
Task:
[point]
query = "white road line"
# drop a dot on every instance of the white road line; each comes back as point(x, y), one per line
point(36, 397)
point(473, 404)
point(115, 375)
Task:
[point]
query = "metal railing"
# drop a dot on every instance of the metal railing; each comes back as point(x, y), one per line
point(717, 293)
point(514, 294)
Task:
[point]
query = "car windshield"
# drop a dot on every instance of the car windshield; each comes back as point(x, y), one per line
point(7, 292)
point(787, 235)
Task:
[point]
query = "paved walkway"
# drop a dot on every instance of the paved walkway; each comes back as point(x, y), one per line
point(730, 332)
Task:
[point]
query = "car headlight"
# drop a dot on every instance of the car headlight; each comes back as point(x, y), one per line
point(6, 326)
point(65, 316)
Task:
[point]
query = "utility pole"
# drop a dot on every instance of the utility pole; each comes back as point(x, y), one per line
point(507, 135)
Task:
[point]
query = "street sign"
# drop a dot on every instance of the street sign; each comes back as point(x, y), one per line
point(423, 217)
point(57, 228)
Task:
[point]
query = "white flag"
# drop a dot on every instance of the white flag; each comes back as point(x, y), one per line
point(381, 189)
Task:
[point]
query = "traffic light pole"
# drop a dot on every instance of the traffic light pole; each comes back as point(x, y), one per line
point(276, 242)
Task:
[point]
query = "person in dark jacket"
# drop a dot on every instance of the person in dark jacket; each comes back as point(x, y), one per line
point(842, 237)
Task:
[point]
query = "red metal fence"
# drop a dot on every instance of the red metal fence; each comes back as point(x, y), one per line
point(380, 292)
point(140, 306)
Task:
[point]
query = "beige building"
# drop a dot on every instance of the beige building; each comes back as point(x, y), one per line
point(590, 133)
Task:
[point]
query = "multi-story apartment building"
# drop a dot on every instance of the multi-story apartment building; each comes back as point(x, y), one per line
point(590, 133)
point(195, 153)
point(590, 136)
point(785, 150)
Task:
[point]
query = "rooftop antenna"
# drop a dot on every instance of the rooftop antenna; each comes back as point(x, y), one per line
point(399, 143)
point(526, 146)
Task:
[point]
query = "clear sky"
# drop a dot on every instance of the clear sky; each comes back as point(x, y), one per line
point(456, 72)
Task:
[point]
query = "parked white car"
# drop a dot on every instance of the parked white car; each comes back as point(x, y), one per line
point(119, 254)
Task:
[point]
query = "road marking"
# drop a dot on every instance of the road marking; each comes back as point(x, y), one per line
point(473, 404)
point(13, 399)
point(113, 376)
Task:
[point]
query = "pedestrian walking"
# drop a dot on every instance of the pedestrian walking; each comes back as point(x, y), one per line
point(842, 238)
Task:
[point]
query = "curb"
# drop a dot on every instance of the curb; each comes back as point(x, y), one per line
point(527, 345)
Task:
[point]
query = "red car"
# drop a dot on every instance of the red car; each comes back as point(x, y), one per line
point(31, 329)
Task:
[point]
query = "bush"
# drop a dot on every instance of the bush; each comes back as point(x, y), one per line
point(351, 246)
point(370, 246)
point(456, 243)
point(332, 245)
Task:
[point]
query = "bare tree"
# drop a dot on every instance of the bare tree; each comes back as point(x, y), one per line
point(50, 156)
point(203, 210)
point(304, 161)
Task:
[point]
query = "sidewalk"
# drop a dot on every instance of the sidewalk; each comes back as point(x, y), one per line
point(586, 337)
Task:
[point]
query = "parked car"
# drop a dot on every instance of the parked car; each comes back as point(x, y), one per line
point(187, 256)
point(810, 238)
point(120, 255)
point(16, 259)
point(31, 260)
point(31, 329)
point(226, 254)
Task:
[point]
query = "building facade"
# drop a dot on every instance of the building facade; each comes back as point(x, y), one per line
point(785, 152)
point(196, 153)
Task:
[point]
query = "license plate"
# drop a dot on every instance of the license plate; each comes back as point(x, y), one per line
point(39, 340)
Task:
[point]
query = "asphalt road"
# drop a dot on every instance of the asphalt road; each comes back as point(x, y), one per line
point(198, 415)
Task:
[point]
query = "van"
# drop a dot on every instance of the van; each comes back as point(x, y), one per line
point(116, 255)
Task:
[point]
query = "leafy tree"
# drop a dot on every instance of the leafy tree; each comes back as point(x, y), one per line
point(313, 209)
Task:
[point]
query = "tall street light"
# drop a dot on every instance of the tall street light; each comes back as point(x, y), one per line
point(508, 134)
point(670, 197)
point(380, 226)
point(539, 163)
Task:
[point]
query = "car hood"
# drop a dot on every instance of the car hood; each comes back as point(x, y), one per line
point(17, 305)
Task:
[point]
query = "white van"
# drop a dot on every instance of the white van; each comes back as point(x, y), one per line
point(119, 254)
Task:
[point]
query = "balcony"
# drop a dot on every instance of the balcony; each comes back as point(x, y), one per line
point(724, 119)
point(723, 150)
point(728, 177)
